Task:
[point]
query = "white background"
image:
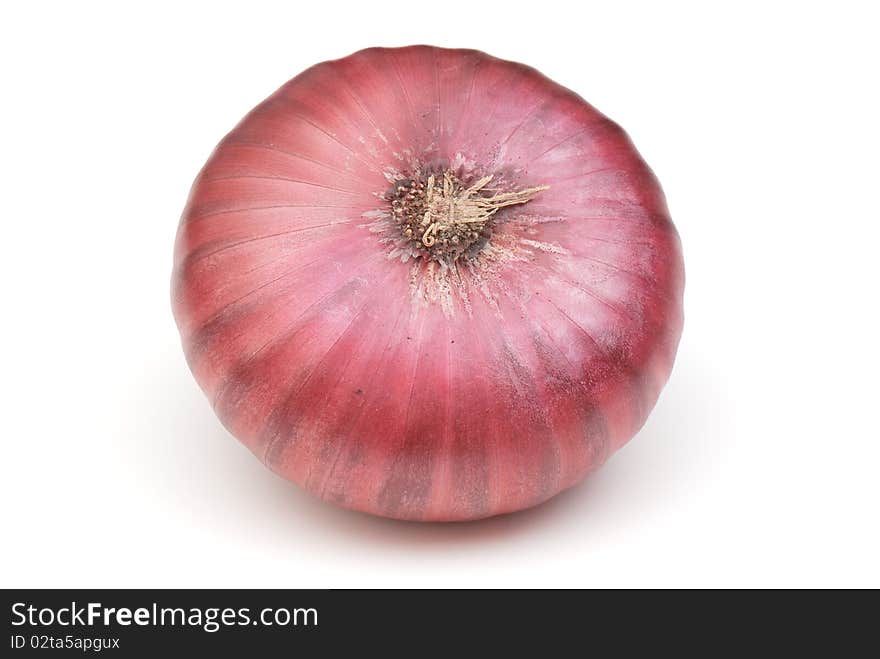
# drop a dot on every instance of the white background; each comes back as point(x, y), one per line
point(759, 466)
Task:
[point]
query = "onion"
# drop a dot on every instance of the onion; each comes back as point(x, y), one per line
point(428, 284)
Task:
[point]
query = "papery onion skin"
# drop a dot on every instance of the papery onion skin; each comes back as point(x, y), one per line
point(379, 378)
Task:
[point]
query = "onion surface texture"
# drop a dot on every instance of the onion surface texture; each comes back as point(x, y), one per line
point(428, 284)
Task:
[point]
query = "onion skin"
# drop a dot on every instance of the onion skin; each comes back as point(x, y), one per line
point(394, 384)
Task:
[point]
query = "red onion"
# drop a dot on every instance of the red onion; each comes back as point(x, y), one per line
point(428, 284)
